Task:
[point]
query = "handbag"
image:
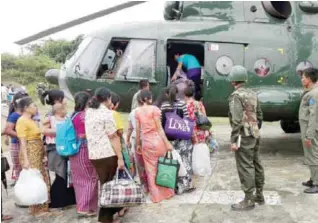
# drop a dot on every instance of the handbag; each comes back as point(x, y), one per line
point(167, 171)
point(121, 192)
point(177, 127)
point(4, 164)
point(202, 121)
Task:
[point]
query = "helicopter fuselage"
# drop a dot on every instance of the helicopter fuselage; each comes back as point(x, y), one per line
point(272, 50)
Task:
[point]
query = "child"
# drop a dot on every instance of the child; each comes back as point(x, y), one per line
point(211, 142)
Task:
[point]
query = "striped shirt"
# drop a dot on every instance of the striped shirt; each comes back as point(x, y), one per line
point(179, 105)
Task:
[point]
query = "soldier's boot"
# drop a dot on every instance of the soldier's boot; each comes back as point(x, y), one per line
point(244, 205)
point(259, 197)
point(312, 190)
point(308, 183)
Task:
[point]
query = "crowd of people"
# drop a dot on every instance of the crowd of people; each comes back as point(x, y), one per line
point(99, 127)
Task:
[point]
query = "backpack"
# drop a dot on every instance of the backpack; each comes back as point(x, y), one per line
point(66, 140)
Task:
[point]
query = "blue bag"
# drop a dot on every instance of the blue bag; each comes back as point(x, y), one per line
point(66, 140)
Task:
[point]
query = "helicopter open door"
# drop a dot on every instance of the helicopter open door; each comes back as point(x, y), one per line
point(218, 62)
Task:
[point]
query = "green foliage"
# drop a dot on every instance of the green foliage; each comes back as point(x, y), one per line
point(26, 69)
point(55, 49)
point(30, 69)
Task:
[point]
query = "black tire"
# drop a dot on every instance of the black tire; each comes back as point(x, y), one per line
point(290, 126)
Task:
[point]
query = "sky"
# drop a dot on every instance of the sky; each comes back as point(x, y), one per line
point(21, 18)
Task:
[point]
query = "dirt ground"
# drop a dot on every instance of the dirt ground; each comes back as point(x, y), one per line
point(282, 157)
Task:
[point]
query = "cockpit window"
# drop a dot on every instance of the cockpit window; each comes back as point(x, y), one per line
point(112, 59)
point(78, 51)
point(89, 60)
point(138, 61)
point(126, 59)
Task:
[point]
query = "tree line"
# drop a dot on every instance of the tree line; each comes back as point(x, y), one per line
point(30, 68)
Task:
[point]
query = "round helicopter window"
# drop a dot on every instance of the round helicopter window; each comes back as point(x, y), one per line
point(262, 67)
point(302, 66)
point(224, 65)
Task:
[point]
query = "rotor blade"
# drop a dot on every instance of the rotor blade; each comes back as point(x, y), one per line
point(77, 22)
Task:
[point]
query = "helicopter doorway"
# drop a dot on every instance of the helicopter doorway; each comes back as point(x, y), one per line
point(174, 47)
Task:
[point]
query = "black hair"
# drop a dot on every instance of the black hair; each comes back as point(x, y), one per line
point(189, 91)
point(16, 98)
point(162, 97)
point(143, 83)
point(115, 98)
point(101, 95)
point(311, 73)
point(25, 102)
point(145, 96)
point(49, 97)
point(81, 99)
point(172, 94)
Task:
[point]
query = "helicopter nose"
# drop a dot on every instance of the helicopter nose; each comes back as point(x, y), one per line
point(52, 76)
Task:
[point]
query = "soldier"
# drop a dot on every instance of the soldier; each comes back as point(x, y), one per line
point(308, 120)
point(246, 118)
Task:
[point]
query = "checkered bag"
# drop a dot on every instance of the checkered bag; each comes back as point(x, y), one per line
point(121, 192)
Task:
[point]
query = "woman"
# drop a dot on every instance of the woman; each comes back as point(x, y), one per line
point(162, 97)
point(31, 147)
point(131, 143)
point(193, 106)
point(10, 130)
point(84, 176)
point(183, 147)
point(154, 144)
point(62, 196)
point(104, 148)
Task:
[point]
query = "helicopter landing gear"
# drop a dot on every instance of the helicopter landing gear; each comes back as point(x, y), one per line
point(290, 126)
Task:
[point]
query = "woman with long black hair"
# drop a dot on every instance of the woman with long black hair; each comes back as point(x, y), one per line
point(183, 147)
point(61, 195)
point(9, 130)
point(84, 176)
point(104, 148)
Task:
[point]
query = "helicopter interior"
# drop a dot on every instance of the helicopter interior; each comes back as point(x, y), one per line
point(112, 59)
point(183, 47)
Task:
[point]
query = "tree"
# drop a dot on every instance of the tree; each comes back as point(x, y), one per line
point(55, 49)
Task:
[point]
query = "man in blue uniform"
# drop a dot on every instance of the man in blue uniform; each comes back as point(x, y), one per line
point(193, 70)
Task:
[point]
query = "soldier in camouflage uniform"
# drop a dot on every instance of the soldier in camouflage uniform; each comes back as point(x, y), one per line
point(308, 120)
point(246, 118)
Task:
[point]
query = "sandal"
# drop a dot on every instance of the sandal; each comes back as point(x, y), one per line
point(91, 214)
point(190, 190)
point(86, 214)
point(6, 218)
point(123, 212)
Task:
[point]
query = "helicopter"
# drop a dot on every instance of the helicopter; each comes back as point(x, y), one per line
point(274, 40)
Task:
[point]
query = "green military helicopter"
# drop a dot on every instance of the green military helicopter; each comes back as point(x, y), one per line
point(274, 40)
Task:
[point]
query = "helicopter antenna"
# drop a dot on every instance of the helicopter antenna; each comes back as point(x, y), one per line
point(78, 21)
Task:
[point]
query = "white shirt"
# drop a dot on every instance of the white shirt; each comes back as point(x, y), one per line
point(99, 124)
point(134, 103)
point(132, 120)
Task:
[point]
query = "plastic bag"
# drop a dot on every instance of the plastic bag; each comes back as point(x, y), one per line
point(30, 188)
point(182, 170)
point(201, 160)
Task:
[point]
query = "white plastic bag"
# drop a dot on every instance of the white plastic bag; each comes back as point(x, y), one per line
point(201, 160)
point(30, 188)
point(182, 170)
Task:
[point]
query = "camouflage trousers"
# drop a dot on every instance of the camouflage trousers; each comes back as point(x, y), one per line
point(249, 167)
point(314, 174)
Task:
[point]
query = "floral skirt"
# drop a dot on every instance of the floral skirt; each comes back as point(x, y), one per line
point(35, 153)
